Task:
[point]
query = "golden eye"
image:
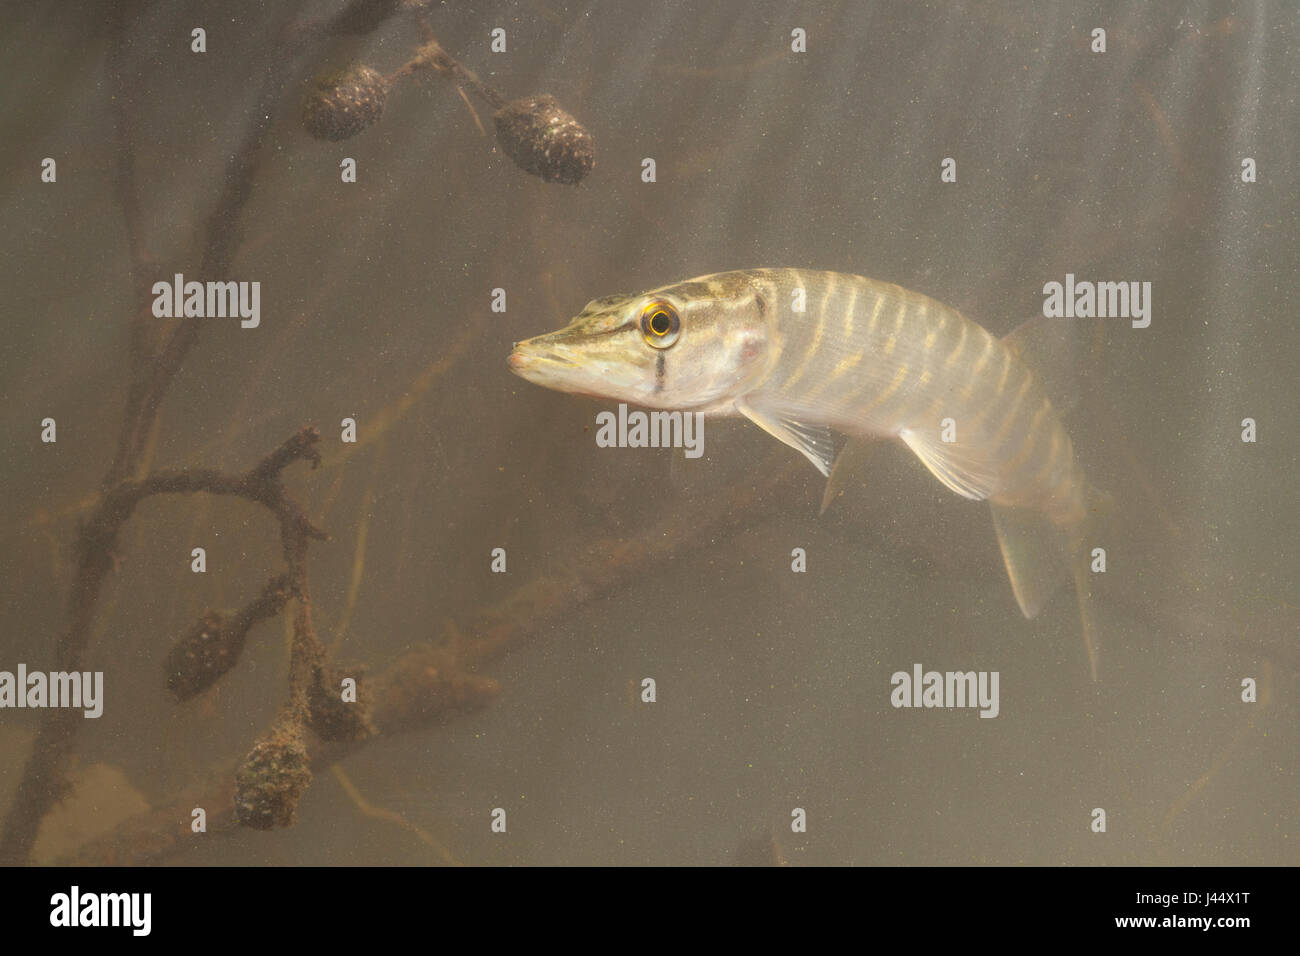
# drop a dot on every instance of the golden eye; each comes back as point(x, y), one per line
point(660, 324)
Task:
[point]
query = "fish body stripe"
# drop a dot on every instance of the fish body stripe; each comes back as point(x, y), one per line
point(873, 358)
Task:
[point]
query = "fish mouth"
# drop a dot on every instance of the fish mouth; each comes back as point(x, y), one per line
point(539, 361)
point(554, 365)
point(525, 356)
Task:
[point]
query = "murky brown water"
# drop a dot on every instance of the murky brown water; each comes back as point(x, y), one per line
point(773, 688)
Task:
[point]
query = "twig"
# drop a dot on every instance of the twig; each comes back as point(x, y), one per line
point(43, 784)
point(431, 56)
point(433, 685)
point(472, 112)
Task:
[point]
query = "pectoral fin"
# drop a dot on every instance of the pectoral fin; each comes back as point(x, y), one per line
point(814, 441)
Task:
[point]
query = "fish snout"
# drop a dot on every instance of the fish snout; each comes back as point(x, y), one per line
point(541, 351)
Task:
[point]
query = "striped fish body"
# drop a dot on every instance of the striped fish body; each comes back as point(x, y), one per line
point(802, 352)
point(872, 358)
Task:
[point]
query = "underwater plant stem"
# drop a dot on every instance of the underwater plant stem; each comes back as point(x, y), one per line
point(152, 371)
point(389, 816)
point(43, 783)
point(472, 112)
point(431, 56)
point(434, 685)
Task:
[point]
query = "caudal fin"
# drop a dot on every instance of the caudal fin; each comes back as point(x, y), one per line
point(1039, 556)
point(1080, 541)
point(1034, 551)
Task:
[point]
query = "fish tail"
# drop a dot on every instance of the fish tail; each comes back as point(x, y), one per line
point(1098, 505)
point(1040, 554)
point(1034, 552)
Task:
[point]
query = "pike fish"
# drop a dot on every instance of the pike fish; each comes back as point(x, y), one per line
point(802, 352)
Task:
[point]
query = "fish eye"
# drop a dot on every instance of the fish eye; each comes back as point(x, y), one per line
point(660, 324)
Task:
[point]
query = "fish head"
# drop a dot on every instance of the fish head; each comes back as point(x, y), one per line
point(692, 346)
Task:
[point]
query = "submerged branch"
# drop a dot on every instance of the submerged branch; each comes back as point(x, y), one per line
point(43, 783)
point(430, 686)
point(152, 371)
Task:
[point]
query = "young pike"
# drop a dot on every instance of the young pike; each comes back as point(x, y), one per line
point(866, 358)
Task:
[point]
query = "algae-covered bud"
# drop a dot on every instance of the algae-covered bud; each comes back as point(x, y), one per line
point(202, 656)
point(211, 648)
point(544, 140)
point(343, 104)
point(336, 712)
point(272, 779)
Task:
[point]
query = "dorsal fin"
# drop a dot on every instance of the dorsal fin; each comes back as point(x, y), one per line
point(1054, 351)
